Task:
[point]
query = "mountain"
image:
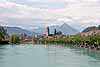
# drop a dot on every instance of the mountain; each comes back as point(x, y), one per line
point(91, 28)
point(17, 30)
point(40, 30)
point(65, 29)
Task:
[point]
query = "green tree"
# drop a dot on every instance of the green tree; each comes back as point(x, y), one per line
point(59, 33)
point(48, 30)
point(3, 33)
point(55, 31)
point(14, 39)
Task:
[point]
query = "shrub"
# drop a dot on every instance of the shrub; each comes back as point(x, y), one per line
point(14, 39)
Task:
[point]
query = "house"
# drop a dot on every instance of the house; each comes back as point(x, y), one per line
point(25, 37)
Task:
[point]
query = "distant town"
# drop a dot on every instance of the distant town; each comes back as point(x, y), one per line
point(89, 38)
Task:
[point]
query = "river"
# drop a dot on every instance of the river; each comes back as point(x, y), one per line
point(40, 55)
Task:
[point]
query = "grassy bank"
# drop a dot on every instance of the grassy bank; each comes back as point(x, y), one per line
point(92, 41)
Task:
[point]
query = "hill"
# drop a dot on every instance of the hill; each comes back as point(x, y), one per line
point(91, 28)
point(17, 30)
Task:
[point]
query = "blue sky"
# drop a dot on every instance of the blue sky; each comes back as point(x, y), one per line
point(31, 14)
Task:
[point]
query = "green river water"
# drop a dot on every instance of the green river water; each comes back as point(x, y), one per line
point(40, 55)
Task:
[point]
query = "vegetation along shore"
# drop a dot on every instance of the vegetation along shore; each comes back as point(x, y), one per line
point(92, 41)
point(89, 39)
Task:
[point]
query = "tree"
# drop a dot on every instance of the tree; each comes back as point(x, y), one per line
point(14, 39)
point(48, 30)
point(3, 33)
point(55, 32)
point(59, 33)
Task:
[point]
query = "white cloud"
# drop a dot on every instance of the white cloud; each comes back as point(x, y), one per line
point(70, 10)
point(7, 5)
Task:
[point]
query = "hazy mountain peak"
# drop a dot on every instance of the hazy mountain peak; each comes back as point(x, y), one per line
point(64, 28)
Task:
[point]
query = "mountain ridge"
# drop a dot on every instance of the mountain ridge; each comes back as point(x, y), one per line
point(18, 30)
point(91, 28)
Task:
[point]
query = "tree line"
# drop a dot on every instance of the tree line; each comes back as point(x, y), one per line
point(76, 40)
point(14, 38)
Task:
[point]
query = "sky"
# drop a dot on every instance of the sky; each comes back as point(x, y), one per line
point(31, 14)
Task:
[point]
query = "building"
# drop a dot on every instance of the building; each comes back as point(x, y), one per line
point(25, 37)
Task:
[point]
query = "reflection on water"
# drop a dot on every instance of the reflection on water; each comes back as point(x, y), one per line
point(47, 56)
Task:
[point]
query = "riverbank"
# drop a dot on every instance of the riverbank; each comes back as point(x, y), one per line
point(4, 42)
point(90, 42)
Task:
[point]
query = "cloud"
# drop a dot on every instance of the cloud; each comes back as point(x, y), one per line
point(8, 4)
point(90, 21)
point(50, 11)
point(15, 16)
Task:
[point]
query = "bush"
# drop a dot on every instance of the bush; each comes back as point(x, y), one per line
point(3, 33)
point(14, 39)
point(77, 39)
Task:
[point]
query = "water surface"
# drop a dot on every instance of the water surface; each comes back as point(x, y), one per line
point(39, 55)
